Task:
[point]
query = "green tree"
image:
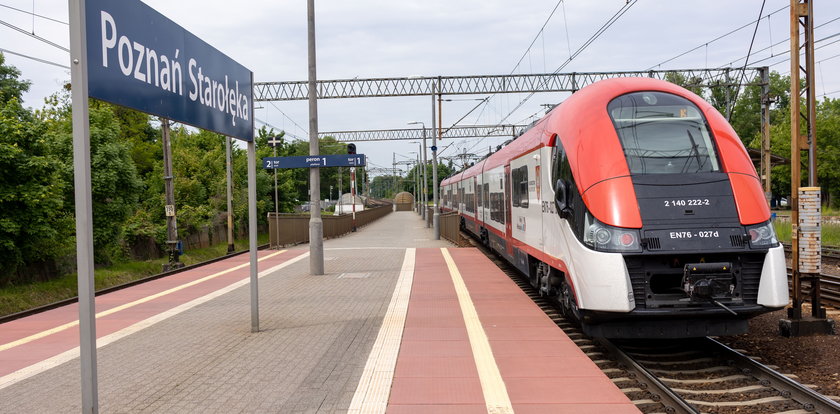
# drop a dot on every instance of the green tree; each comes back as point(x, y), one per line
point(11, 86)
point(115, 185)
point(34, 222)
point(746, 117)
point(693, 84)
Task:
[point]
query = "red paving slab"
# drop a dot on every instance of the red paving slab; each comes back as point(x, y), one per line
point(24, 355)
point(543, 370)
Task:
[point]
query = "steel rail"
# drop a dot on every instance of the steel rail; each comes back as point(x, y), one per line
point(672, 401)
point(810, 399)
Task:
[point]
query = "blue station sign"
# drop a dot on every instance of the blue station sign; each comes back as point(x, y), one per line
point(309, 161)
point(140, 59)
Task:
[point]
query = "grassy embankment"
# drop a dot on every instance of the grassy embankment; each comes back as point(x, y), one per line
point(22, 297)
point(830, 231)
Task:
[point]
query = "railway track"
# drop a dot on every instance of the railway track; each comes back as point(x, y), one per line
point(684, 376)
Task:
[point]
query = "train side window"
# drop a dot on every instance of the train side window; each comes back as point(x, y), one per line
point(515, 178)
point(478, 195)
point(523, 186)
point(486, 195)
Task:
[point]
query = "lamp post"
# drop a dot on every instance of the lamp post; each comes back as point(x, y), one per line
point(416, 181)
point(425, 185)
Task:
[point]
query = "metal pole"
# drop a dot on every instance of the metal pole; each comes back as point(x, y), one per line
point(765, 133)
point(252, 233)
point(84, 208)
point(436, 216)
point(169, 189)
point(417, 184)
point(228, 160)
point(811, 94)
point(276, 203)
point(394, 171)
point(795, 312)
point(425, 177)
point(353, 193)
point(316, 225)
point(340, 210)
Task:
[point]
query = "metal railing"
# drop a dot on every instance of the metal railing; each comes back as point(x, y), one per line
point(294, 228)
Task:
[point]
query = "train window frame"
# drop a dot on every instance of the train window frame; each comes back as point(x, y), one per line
point(663, 117)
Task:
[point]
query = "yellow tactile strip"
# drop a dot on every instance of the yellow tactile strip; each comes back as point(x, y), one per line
point(495, 393)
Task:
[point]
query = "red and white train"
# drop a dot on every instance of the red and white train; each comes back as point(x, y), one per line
point(636, 206)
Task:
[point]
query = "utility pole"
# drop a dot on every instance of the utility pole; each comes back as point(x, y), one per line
point(805, 235)
point(229, 174)
point(766, 100)
point(435, 136)
point(316, 224)
point(394, 167)
point(169, 189)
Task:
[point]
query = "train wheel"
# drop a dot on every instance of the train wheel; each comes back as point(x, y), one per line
point(568, 303)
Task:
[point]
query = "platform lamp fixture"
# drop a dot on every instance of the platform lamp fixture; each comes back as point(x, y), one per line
point(425, 197)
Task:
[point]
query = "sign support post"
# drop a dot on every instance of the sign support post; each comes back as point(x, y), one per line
point(231, 248)
point(252, 234)
point(353, 193)
point(84, 207)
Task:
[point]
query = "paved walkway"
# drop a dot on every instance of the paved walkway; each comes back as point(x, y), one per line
point(316, 334)
point(399, 323)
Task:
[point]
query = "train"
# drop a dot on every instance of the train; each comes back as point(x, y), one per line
point(634, 205)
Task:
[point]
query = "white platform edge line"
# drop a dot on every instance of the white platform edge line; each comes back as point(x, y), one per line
point(71, 354)
point(374, 387)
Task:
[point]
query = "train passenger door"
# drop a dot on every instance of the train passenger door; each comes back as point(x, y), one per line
point(508, 229)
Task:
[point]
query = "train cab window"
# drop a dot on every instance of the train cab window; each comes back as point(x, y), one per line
point(663, 133)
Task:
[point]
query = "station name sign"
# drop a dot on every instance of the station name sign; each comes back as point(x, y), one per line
point(140, 59)
point(310, 161)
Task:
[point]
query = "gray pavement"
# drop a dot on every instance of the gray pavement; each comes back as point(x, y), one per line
point(316, 334)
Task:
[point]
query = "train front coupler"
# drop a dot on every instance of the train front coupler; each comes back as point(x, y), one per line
point(709, 282)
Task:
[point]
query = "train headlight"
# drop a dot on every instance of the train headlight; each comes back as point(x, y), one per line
point(601, 237)
point(762, 235)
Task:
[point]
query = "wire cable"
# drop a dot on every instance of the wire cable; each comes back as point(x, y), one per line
point(34, 58)
point(35, 14)
point(746, 61)
point(7, 24)
point(716, 39)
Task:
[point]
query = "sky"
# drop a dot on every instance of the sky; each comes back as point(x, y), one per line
point(380, 38)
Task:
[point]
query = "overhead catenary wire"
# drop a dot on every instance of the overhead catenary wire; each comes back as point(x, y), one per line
point(33, 14)
point(624, 8)
point(540, 32)
point(705, 44)
point(747, 59)
point(48, 62)
point(33, 35)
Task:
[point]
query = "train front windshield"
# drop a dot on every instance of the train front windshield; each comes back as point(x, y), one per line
point(663, 133)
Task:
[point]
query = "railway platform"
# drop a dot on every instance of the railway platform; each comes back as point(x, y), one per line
point(400, 323)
